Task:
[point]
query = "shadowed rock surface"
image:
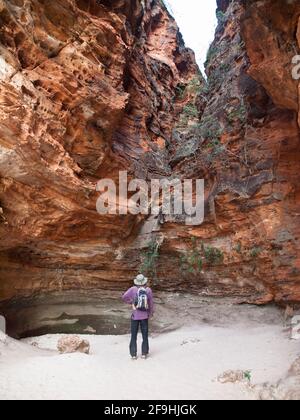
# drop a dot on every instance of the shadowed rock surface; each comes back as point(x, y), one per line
point(103, 313)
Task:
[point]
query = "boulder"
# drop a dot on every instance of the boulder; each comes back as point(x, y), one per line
point(232, 376)
point(73, 344)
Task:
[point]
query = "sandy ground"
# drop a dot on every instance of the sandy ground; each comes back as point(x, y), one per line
point(183, 365)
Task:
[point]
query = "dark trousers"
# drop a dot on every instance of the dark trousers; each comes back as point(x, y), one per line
point(135, 325)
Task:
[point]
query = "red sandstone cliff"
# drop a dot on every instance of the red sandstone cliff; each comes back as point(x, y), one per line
point(248, 152)
point(88, 88)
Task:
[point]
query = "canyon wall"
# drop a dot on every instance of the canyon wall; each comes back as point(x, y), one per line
point(248, 152)
point(89, 88)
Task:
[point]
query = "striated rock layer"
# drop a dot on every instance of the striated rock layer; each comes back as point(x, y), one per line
point(248, 151)
point(89, 88)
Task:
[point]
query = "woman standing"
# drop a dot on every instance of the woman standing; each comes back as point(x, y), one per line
point(141, 298)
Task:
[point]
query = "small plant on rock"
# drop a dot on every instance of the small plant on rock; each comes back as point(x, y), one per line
point(195, 85)
point(248, 375)
point(255, 252)
point(191, 111)
point(221, 16)
point(210, 129)
point(215, 148)
point(238, 248)
point(150, 258)
point(180, 91)
point(238, 114)
point(213, 255)
point(192, 261)
point(214, 143)
point(205, 89)
point(211, 53)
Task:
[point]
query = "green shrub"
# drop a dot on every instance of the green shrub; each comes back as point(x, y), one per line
point(238, 248)
point(214, 144)
point(192, 262)
point(180, 91)
point(195, 85)
point(150, 258)
point(211, 53)
point(248, 375)
point(224, 67)
point(255, 252)
point(191, 111)
point(214, 150)
point(213, 255)
point(238, 114)
point(205, 89)
point(221, 16)
point(210, 128)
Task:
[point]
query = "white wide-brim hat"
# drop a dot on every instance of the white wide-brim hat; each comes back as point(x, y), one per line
point(140, 280)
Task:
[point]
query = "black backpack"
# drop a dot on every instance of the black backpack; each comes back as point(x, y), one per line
point(141, 300)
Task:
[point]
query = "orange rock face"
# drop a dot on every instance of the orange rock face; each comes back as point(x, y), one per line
point(249, 155)
point(86, 89)
point(89, 88)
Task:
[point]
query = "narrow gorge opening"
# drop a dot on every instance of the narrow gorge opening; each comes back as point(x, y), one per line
point(197, 23)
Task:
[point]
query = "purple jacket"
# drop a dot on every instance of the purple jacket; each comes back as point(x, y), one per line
point(129, 298)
